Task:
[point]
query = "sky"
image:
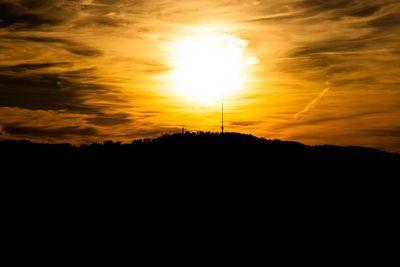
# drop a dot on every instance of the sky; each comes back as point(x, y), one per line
point(82, 71)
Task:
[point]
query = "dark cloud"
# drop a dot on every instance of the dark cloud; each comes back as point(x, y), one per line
point(33, 14)
point(387, 22)
point(27, 14)
point(38, 87)
point(29, 4)
point(40, 131)
point(18, 15)
point(329, 119)
point(343, 8)
point(365, 11)
point(32, 66)
point(109, 120)
point(389, 132)
point(244, 123)
point(82, 51)
point(320, 10)
point(361, 81)
point(45, 91)
point(71, 46)
point(333, 46)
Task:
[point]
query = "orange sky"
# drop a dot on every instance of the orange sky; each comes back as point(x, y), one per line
point(87, 71)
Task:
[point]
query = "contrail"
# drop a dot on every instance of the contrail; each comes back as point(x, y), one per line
point(311, 105)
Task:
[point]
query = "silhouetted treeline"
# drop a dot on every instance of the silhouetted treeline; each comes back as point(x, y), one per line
point(188, 170)
point(195, 151)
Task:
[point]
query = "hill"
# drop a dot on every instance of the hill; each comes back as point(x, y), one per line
point(196, 150)
point(196, 168)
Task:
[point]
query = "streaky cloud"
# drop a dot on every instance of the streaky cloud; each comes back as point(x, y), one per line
point(33, 66)
point(69, 45)
point(20, 130)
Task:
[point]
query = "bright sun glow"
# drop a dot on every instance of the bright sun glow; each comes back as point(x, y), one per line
point(209, 67)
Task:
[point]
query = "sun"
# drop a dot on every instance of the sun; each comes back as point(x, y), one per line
point(209, 67)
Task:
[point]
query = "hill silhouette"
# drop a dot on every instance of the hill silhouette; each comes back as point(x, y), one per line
point(196, 169)
point(196, 152)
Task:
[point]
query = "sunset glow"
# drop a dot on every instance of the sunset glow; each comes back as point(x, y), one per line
point(316, 72)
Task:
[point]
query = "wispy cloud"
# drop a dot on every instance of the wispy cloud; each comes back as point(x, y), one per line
point(60, 132)
point(69, 45)
point(43, 90)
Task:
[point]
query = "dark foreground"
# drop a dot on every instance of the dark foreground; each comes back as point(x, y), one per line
point(193, 154)
point(171, 181)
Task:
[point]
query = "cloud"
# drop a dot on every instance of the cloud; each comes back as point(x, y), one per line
point(327, 48)
point(321, 120)
point(15, 13)
point(385, 132)
point(388, 21)
point(21, 15)
point(343, 8)
point(32, 66)
point(48, 91)
point(110, 119)
point(47, 125)
point(26, 14)
point(351, 43)
point(244, 123)
point(40, 131)
point(31, 14)
point(312, 104)
point(71, 46)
